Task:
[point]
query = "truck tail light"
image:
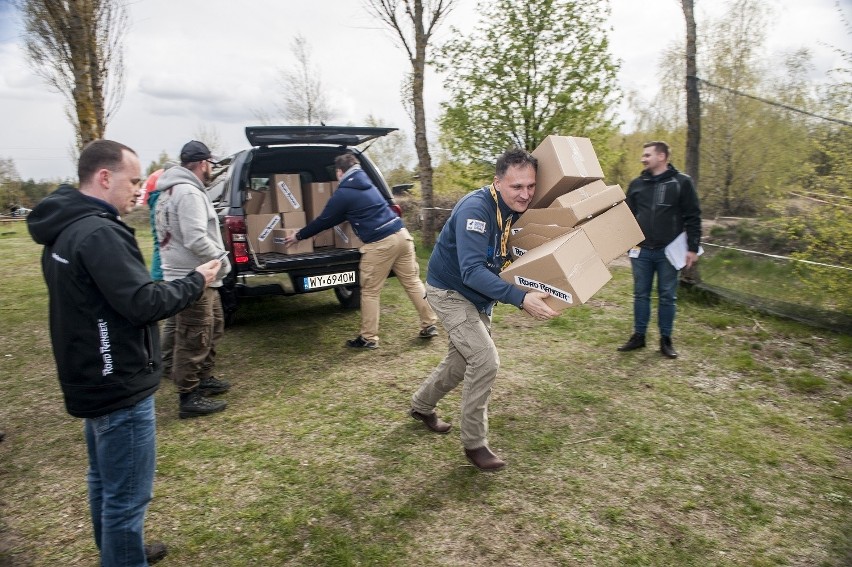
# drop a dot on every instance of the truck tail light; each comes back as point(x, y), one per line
point(240, 252)
point(235, 230)
point(397, 209)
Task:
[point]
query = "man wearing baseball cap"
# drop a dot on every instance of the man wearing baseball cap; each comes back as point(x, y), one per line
point(187, 229)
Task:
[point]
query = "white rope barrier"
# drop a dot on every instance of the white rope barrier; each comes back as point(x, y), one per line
point(777, 256)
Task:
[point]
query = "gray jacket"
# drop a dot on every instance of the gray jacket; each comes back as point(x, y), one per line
point(187, 226)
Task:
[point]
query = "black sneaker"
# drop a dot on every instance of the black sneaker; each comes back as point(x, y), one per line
point(155, 551)
point(361, 342)
point(428, 332)
point(213, 386)
point(197, 405)
point(635, 341)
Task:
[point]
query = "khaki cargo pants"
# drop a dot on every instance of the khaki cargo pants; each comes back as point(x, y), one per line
point(395, 252)
point(472, 358)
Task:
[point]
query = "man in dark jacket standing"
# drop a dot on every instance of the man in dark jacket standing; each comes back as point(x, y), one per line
point(665, 204)
point(387, 246)
point(104, 309)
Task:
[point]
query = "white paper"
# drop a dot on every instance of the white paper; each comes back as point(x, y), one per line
point(677, 249)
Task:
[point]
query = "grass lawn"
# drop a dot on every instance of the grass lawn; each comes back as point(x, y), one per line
point(737, 453)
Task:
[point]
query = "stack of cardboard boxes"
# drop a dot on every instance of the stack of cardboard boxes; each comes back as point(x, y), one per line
point(575, 225)
point(275, 213)
point(284, 207)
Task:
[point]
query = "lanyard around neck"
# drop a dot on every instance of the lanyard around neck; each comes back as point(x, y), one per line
point(504, 240)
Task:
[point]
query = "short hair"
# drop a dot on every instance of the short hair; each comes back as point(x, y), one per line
point(515, 157)
point(344, 161)
point(659, 147)
point(100, 154)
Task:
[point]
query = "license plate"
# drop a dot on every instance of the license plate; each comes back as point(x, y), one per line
point(329, 280)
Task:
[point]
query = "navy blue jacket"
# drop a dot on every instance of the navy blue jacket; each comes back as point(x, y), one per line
point(467, 256)
point(104, 307)
point(664, 206)
point(358, 201)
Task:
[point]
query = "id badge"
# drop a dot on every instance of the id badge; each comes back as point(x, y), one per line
point(634, 252)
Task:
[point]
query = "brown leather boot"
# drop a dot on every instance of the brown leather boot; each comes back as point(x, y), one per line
point(483, 459)
point(431, 421)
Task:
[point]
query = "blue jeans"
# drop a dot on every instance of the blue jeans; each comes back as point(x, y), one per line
point(122, 449)
point(645, 266)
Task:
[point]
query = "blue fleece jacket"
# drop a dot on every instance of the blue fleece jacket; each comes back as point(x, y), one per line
point(467, 257)
point(358, 201)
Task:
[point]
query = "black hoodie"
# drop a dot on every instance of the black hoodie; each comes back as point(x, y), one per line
point(103, 304)
point(664, 206)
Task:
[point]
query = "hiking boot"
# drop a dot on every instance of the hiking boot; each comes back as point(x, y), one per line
point(155, 551)
point(428, 332)
point(361, 342)
point(196, 405)
point(483, 459)
point(636, 340)
point(431, 421)
point(213, 386)
point(666, 347)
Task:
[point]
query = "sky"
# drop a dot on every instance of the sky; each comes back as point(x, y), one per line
point(202, 66)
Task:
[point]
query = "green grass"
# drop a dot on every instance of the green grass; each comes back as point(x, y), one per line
point(738, 453)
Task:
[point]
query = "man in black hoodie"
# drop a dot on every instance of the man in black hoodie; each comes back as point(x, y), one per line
point(104, 309)
point(665, 204)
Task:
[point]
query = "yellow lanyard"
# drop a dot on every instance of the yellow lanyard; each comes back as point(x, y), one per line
point(504, 240)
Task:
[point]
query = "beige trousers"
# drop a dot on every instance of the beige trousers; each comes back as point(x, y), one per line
point(396, 252)
point(472, 358)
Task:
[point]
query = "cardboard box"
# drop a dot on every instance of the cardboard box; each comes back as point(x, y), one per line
point(533, 235)
point(300, 247)
point(614, 232)
point(568, 268)
point(564, 164)
point(345, 237)
point(259, 228)
point(285, 190)
point(316, 196)
point(293, 220)
point(555, 216)
point(589, 201)
point(324, 239)
point(257, 202)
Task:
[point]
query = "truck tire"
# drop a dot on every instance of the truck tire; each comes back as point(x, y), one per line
point(348, 296)
point(229, 301)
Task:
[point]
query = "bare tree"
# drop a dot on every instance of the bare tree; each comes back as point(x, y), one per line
point(304, 98)
point(413, 22)
point(693, 97)
point(10, 185)
point(693, 116)
point(212, 138)
point(76, 46)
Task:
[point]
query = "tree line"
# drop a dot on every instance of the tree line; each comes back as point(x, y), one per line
point(531, 68)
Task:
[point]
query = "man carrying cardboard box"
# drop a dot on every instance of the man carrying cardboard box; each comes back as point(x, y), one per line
point(462, 286)
point(665, 203)
point(387, 246)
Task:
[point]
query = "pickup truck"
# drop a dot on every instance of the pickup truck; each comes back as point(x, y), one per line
point(309, 152)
